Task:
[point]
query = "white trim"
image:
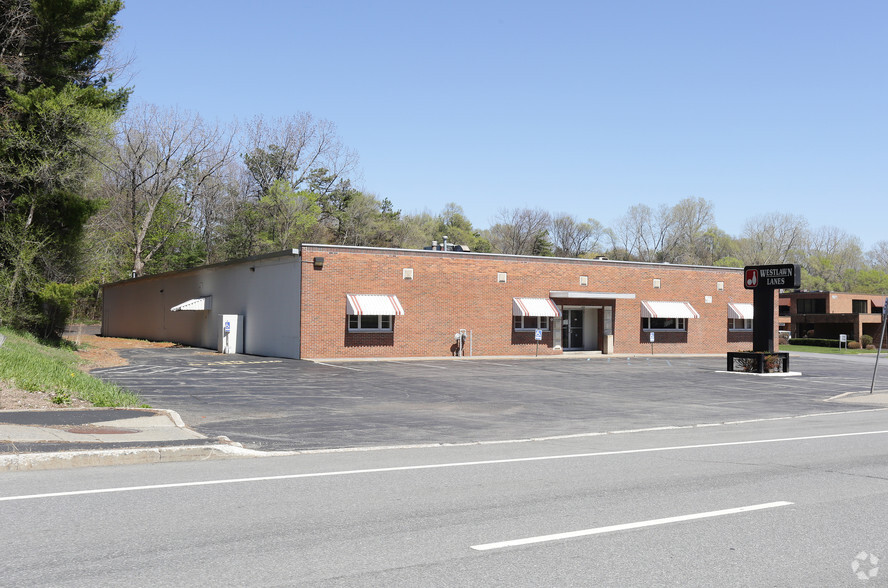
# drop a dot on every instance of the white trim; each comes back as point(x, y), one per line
point(590, 295)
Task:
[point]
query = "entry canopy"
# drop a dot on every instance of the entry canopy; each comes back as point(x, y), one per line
point(652, 309)
point(740, 310)
point(534, 307)
point(382, 304)
point(202, 303)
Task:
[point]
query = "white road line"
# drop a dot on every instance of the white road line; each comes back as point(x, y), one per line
point(435, 466)
point(628, 526)
point(337, 366)
point(414, 363)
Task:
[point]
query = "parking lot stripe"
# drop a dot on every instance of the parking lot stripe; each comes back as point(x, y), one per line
point(628, 526)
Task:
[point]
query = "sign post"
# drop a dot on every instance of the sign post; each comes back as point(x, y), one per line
point(538, 336)
point(881, 340)
point(763, 280)
point(652, 343)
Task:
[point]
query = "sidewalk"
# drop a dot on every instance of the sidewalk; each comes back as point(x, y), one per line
point(50, 439)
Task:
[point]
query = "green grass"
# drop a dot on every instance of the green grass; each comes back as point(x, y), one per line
point(33, 366)
point(832, 350)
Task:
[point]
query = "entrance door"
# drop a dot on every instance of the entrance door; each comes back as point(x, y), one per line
point(572, 328)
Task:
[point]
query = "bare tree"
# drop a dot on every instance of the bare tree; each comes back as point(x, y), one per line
point(297, 149)
point(831, 257)
point(878, 256)
point(162, 163)
point(517, 230)
point(573, 238)
point(643, 234)
point(691, 219)
point(774, 238)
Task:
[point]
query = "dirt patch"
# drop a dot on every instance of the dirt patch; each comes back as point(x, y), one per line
point(95, 351)
point(12, 398)
point(102, 352)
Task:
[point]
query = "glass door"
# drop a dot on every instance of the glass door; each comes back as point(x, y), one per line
point(572, 328)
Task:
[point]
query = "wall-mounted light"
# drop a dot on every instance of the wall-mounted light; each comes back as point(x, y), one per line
point(318, 263)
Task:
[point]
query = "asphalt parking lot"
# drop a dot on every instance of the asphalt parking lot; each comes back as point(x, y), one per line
point(283, 404)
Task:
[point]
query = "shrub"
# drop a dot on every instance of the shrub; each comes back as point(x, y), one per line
point(853, 345)
point(782, 341)
point(866, 341)
point(814, 342)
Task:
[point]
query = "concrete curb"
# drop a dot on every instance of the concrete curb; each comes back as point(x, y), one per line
point(22, 462)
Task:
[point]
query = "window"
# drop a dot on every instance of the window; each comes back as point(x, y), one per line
point(584, 280)
point(719, 285)
point(370, 322)
point(531, 323)
point(501, 277)
point(741, 324)
point(811, 306)
point(656, 282)
point(784, 310)
point(664, 324)
point(860, 306)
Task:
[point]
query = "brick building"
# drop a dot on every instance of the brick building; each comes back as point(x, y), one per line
point(326, 301)
point(826, 315)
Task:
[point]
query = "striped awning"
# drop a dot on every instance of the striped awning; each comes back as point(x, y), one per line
point(202, 303)
point(654, 309)
point(740, 310)
point(534, 307)
point(381, 304)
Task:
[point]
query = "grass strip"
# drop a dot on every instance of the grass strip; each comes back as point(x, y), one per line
point(33, 366)
point(829, 350)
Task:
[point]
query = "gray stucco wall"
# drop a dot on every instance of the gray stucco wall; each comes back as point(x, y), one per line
point(264, 290)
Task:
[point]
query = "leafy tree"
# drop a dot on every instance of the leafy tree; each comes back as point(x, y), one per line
point(56, 105)
point(289, 216)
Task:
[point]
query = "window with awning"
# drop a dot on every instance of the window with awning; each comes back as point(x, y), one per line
point(372, 312)
point(740, 315)
point(666, 315)
point(529, 314)
point(202, 303)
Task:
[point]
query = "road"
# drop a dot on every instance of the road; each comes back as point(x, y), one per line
point(777, 502)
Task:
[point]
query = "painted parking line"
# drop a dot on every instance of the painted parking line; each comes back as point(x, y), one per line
point(417, 364)
point(344, 367)
point(628, 526)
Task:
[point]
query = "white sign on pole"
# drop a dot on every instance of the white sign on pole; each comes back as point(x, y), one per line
point(538, 335)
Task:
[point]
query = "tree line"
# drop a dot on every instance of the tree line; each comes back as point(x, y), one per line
point(94, 190)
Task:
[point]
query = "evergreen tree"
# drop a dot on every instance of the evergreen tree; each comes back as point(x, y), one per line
point(55, 106)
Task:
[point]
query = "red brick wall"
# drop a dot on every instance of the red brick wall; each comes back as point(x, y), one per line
point(453, 291)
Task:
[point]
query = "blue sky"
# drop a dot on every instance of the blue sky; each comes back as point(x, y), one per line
point(579, 107)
